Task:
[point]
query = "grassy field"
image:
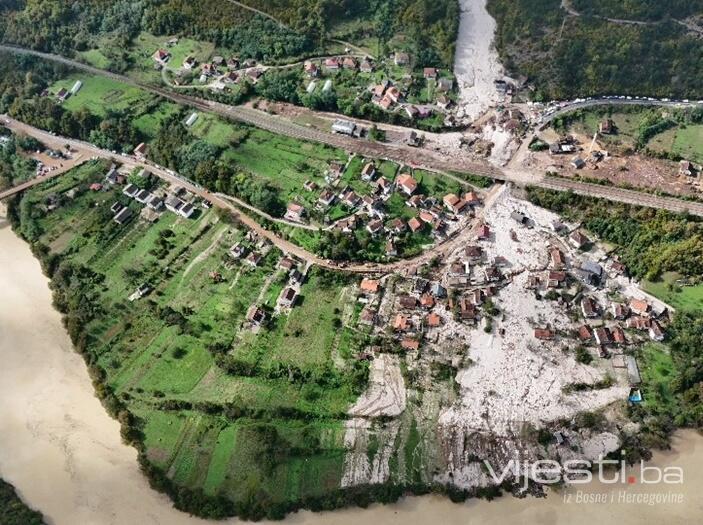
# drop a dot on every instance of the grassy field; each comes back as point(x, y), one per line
point(161, 349)
point(684, 141)
point(687, 298)
point(100, 94)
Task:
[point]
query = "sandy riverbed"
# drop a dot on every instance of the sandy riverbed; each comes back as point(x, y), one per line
point(63, 453)
point(476, 63)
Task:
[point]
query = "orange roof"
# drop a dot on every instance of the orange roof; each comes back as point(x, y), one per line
point(434, 319)
point(414, 224)
point(407, 182)
point(400, 322)
point(639, 305)
point(410, 344)
point(369, 285)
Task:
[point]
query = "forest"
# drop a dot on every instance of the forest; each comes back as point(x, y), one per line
point(13, 511)
point(566, 56)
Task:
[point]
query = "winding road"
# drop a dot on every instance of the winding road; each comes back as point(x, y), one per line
point(413, 157)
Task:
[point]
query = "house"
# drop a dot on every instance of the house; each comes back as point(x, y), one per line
point(375, 227)
point(155, 203)
point(332, 63)
point(414, 224)
point(296, 277)
point(255, 315)
point(639, 307)
point(368, 172)
point(484, 232)
point(620, 311)
point(161, 56)
point(254, 74)
point(400, 323)
point(472, 198)
point(473, 253)
point(434, 320)
point(618, 335)
point(62, 94)
point(467, 310)
point(585, 333)
point(455, 204)
point(349, 63)
point(518, 217)
point(310, 185)
point(174, 204)
point(606, 127)
point(557, 258)
point(186, 210)
point(427, 217)
point(438, 290)
point(253, 259)
point(233, 63)
point(311, 69)
point(391, 249)
point(393, 93)
point(406, 183)
point(326, 198)
point(429, 73)
point(367, 316)
point(544, 334)
point(590, 272)
point(578, 240)
point(370, 286)
point(638, 323)
point(491, 274)
point(366, 66)
point(445, 85)
point(589, 308)
point(555, 279)
point(411, 111)
point(287, 264)
point(294, 212)
point(655, 331)
point(96, 186)
point(287, 297)
point(602, 336)
point(409, 343)
point(350, 198)
point(189, 62)
point(400, 58)
point(407, 302)
point(383, 185)
point(426, 301)
point(130, 191)
point(122, 216)
point(476, 297)
point(142, 196)
point(231, 77)
point(384, 103)
point(116, 207)
point(237, 251)
point(140, 151)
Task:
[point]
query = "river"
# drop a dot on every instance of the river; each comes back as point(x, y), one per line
point(64, 455)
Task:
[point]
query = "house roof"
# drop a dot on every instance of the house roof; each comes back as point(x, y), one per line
point(434, 320)
point(414, 224)
point(407, 182)
point(410, 344)
point(369, 285)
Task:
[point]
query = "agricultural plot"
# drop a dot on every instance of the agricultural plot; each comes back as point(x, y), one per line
point(686, 141)
point(205, 426)
point(100, 94)
point(679, 295)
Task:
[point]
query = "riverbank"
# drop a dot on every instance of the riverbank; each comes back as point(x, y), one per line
point(63, 452)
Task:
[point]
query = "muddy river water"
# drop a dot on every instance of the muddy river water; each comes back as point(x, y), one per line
point(63, 452)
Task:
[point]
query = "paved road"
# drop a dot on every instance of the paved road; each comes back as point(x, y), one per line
point(76, 160)
point(414, 157)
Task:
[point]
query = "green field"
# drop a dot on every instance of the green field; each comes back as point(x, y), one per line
point(686, 141)
point(687, 298)
point(206, 426)
point(100, 94)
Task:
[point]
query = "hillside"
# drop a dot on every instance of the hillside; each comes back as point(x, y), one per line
point(578, 52)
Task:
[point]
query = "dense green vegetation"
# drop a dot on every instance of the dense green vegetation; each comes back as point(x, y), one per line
point(567, 56)
point(639, 9)
point(109, 28)
point(13, 511)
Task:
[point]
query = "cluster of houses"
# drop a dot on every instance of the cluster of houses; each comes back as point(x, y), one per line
point(370, 211)
point(224, 71)
point(178, 201)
